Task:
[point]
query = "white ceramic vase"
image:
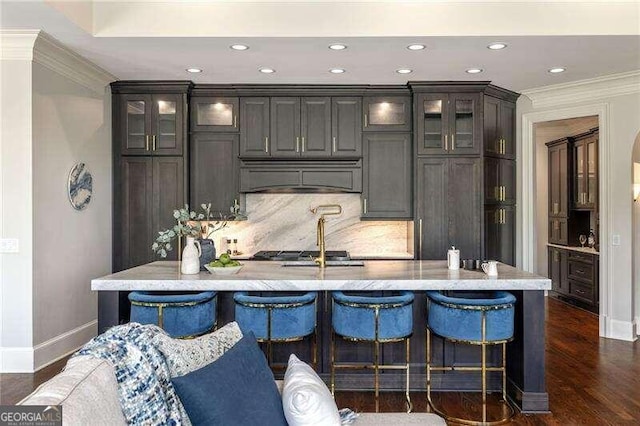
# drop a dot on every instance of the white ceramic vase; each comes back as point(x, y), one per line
point(191, 257)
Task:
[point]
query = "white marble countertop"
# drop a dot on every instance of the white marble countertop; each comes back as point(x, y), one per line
point(574, 248)
point(272, 276)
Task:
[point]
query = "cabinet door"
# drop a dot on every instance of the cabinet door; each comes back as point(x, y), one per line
point(214, 114)
point(507, 130)
point(315, 140)
point(557, 270)
point(580, 175)
point(214, 171)
point(558, 231)
point(432, 208)
point(558, 180)
point(507, 182)
point(491, 141)
point(346, 127)
point(134, 124)
point(500, 233)
point(433, 126)
point(465, 123)
point(591, 175)
point(254, 132)
point(133, 225)
point(387, 114)
point(167, 125)
point(285, 127)
point(465, 206)
point(386, 191)
point(168, 194)
point(492, 189)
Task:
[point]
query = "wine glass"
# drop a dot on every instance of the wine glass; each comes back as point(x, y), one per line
point(582, 239)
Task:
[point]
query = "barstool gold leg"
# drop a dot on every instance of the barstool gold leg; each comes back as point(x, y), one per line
point(314, 348)
point(484, 367)
point(428, 344)
point(408, 353)
point(333, 362)
point(376, 359)
point(504, 372)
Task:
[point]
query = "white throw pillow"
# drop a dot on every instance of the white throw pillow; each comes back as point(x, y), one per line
point(306, 400)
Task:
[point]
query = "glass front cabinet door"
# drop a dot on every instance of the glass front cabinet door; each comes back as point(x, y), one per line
point(448, 123)
point(391, 113)
point(135, 131)
point(214, 114)
point(167, 125)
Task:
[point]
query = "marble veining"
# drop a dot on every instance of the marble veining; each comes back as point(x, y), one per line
point(374, 275)
point(284, 222)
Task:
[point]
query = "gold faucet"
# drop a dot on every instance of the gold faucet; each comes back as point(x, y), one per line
point(322, 260)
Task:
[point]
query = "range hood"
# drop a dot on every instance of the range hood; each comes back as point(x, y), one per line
point(301, 176)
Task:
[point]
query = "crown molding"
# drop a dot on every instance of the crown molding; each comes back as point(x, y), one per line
point(39, 47)
point(592, 89)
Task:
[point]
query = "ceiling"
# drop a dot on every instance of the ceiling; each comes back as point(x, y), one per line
point(551, 130)
point(106, 35)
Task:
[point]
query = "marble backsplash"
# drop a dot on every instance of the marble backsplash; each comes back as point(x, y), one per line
point(284, 222)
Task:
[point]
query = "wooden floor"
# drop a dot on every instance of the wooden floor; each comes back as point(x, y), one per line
point(591, 381)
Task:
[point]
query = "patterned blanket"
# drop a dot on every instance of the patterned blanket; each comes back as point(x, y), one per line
point(146, 394)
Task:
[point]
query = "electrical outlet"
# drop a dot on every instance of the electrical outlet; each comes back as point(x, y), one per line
point(9, 245)
point(615, 239)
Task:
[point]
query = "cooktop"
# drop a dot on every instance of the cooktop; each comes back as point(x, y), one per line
point(288, 255)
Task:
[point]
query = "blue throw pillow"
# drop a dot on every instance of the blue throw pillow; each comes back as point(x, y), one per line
point(236, 389)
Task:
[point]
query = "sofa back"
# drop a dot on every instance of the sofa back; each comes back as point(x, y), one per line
point(86, 389)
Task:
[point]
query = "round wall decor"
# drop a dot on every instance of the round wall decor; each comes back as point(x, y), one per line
point(80, 186)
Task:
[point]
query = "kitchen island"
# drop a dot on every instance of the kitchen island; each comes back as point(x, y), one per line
point(525, 355)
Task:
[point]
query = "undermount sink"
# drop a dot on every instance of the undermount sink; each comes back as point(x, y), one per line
point(329, 263)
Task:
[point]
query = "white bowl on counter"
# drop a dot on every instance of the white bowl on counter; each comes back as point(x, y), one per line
point(229, 270)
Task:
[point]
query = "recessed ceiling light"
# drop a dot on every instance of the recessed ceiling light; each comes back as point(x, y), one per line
point(474, 70)
point(556, 70)
point(267, 70)
point(194, 70)
point(336, 70)
point(498, 45)
point(239, 46)
point(404, 71)
point(337, 46)
point(416, 46)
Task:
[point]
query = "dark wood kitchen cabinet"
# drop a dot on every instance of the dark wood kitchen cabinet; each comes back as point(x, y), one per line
point(499, 128)
point(557, 259)
point(214, 114)
point(315, 127)
point(386, 175)
point(215, 171)
point(559, 177)
point(346, 126)
point(500, 233)
point(254, 129)
point(285, 127)
point(448, 207)
point(574, 276)
point(148, 189)
point(499, 181)
point(448, 123)
point(386, 113)
point(151, 124)
point(585, 171)
point(558, 230)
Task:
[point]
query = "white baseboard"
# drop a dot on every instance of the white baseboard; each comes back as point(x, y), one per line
point(62, 345)
point(16, 360)
point(620, 330)
point(637, 326)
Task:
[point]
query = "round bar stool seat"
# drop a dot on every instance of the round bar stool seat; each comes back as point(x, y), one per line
point(181, 315)
point(377, 319)
point(278, 319)
point(477, 318)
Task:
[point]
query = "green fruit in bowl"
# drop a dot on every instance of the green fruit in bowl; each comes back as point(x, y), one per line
point(233, 263)
point(224, 258)
point(216, 264)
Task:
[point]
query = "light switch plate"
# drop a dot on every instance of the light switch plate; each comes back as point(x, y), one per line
point(615, 239)
point(9, 245)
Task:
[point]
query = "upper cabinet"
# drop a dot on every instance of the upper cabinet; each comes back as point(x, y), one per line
point(215, 114)
point(448, 123)
point(254, 132)
point(346, 126)
point(285, 127)
point(315, 126)
point(499, 181)
point(585, 176)
point(559, 169)
point(499, 128)
point(151, 124)
point(392, 113)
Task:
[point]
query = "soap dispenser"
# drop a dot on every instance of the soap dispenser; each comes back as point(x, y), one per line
point(453, 258)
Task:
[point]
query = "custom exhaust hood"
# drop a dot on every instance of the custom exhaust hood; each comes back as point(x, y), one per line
point(301, 176)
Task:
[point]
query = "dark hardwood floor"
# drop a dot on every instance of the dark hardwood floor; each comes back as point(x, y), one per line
point(591, 381)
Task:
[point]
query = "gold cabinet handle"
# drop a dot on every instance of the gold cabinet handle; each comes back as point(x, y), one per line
point(297, 144)
point(365, 206)
point(334, 144)
point(303, 144)
point(153, 141)
point(366, 121)
point(556, 208)
point(235, 121)
point(420, 239)
point(147, 142)
point(266, 144)
point(446, 142)
point(504, 193)
point(453, 142)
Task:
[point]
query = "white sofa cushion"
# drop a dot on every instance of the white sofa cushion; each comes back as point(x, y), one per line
point(306, 400)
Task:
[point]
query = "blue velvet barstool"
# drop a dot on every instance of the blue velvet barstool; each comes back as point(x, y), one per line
point(181, 315)
point(479, 318)
point(279, 319)
point(376, 319)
